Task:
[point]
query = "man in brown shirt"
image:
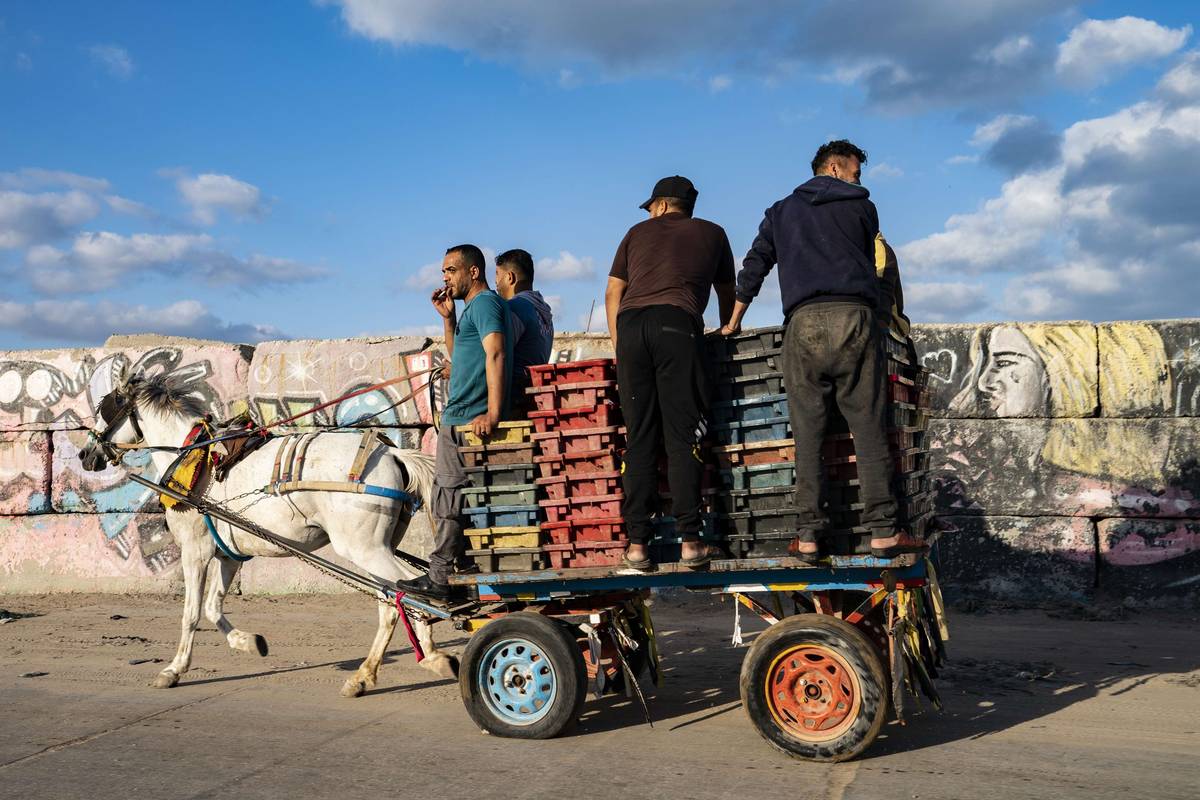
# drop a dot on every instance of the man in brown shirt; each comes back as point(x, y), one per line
point(658, 288)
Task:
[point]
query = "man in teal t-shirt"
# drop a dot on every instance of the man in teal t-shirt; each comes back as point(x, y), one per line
point(480, 345)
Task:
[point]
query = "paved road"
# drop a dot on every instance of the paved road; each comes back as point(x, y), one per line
point(1036, 707)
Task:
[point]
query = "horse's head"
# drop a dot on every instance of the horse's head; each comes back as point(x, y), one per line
point(136, 403)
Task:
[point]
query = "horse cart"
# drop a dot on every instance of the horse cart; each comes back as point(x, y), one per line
point(848, 640)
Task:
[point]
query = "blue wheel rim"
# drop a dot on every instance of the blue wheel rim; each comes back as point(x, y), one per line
point(517, 681)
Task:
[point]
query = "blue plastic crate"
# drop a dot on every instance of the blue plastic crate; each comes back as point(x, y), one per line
point(502, 516)
point(753, 430)
point(759, 476)
point(763, 407)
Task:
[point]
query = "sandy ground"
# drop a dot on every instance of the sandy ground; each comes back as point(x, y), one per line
point(1036, 706)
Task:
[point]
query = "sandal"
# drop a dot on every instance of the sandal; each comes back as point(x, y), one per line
point(703, 559)
point(639, 565)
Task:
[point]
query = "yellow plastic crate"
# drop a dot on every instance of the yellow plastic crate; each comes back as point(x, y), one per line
point(515, 432)
point(491, 538)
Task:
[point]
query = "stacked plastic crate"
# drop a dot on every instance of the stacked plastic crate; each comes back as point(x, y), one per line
point(752, 444)
point(755, 454)
point(500, 500)
point(579, 438)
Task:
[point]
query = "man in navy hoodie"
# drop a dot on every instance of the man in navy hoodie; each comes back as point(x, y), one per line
point(822, 236)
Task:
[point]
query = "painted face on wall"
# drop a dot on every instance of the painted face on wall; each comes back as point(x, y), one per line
point(1013, 382)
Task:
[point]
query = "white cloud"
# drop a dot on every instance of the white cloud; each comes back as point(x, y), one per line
point(35, 178)
point(719, 83)
point(1099, 48)
point(884, 170)
point(429, 276)
point(88, 322)
point(1182, 83)
point(33, 218)
point(945, 301)
point(567, 267)
point(555, 302)
point(116, 60)
point(991, 131)
point(955, 161)
point(98, 261)
point(210, 193)
point(1109, 229)
point(1009, 51)
point(123, 205)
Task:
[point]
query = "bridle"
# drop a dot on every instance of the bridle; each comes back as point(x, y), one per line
point(116, 407)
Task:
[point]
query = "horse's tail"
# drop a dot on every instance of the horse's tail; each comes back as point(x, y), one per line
point(420, 470)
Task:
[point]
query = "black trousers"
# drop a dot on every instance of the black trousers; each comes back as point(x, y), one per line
point(834, 351)
point(664, 398)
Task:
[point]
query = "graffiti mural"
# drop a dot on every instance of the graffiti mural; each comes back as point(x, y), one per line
point(57, 393)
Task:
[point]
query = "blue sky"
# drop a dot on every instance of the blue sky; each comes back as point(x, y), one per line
point(266, 170)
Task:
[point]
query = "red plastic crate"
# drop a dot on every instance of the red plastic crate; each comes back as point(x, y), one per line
point(572, 395)
point(587, 484)
point(605, 529)
point(602, 415)
point(577, 463)
point(542, 374)
point(575, 509)
point(595, 369)
point(579, 440)
point(584, 554)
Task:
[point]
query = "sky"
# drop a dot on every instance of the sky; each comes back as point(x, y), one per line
point(255, 171)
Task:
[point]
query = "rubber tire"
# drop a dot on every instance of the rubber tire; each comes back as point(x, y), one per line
point(859, 654)
point(558, 642)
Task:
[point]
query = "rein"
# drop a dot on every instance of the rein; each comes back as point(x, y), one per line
point(112, 449)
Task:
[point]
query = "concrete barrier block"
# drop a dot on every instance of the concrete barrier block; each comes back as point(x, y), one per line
point(24, 473)
point(87, 553)
point(1067, 467)
point(1021, 370)
point(289, 377)
point(1148, 558)
point(1024, 559)
point(74, 490)
point(61, 389)
point(1150, 369)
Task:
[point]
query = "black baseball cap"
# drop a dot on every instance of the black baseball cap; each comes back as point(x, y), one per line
point(674, 186)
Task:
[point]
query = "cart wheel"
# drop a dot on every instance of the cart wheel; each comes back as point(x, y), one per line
point(523, 677)
point(814, 687)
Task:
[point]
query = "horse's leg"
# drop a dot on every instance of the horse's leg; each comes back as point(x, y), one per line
point(383, 564)
point(221, 572)
point(194, 561)
point(368, 671)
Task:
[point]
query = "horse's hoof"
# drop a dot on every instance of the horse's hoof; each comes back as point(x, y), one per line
point(165, 680)
point(353, 688)
point(260, 644)
point(442, 665)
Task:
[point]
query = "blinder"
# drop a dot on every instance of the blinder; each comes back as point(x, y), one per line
point(116, 407)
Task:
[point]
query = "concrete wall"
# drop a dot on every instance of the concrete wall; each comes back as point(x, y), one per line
point(1064, 455)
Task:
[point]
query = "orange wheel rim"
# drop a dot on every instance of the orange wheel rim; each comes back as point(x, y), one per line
point(813, 693)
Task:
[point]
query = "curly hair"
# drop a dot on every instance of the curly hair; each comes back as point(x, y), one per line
point(838, 148)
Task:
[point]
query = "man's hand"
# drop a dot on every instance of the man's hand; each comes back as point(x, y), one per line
point(731, 329)
point(443, 302)
point(484, 425)
point(446, 371)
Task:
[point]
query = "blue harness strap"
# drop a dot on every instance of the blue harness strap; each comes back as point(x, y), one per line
point(394, 494)
point(224, 548)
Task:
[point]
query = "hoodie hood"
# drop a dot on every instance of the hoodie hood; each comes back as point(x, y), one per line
point(540, 306)
point(823, 189)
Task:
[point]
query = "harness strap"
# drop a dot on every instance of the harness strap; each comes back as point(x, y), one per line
point(299, 457)
point(364, 452)
point(284, 487)
point(224, 548)
point(418, 651)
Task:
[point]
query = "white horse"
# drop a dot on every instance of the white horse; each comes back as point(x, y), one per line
point(363, 528)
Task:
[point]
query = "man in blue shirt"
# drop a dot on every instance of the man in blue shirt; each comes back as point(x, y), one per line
point(532, 319)
point(480, 345)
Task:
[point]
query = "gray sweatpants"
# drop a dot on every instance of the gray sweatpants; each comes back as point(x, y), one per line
point(450, 476)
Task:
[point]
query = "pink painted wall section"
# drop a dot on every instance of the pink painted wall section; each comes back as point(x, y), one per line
point(60, 389)
point(87, 552)
point(289, 377)
point(24, 473)
point(1138, 543)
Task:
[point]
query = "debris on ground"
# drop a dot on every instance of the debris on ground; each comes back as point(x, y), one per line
point(133, 662)
point(32, 674)
point(118, 616)
point(124, 640)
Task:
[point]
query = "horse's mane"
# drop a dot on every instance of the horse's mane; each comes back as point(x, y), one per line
point(166, 395)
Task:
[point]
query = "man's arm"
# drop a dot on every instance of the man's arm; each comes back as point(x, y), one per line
point(756, 266)
point(890, 309)
point(726, 297)
point(443, 303)
point(493, 353)
point(612, 303)
point(723, 282)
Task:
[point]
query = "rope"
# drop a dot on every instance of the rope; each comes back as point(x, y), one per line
point(224, 548)
point(418, 651)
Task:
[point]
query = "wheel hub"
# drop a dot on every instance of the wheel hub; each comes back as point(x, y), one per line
point(518, 681)
point(811, 692)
